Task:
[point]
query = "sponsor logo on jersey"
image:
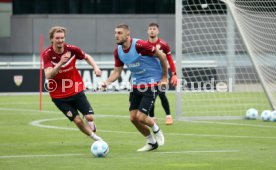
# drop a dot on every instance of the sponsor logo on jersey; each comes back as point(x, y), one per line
point(137, 64)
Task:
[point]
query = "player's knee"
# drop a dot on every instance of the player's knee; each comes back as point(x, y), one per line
point(89, 117)
point(140, 117)
point(78, 120)
point(133, 118)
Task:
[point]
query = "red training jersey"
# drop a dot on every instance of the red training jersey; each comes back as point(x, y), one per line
point(164, 46)
point(68, 81)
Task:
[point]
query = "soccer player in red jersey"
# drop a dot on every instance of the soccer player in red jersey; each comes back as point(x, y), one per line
point(153, 31)
point(148, 66)
point(65, 84)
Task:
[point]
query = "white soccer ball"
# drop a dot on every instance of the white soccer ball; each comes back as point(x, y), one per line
point(203, 6)
point(266, 115)
point(273, 116)
point(99, 148)
point(251, 114)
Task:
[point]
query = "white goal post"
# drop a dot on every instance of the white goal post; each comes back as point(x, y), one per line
point(239, 38)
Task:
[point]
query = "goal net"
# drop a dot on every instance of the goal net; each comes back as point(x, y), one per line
point(226, 54)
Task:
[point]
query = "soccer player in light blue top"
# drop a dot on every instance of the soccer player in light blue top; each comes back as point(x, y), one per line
point(148, 66)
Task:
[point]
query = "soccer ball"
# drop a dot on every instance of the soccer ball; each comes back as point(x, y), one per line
point(251, 114)
point(273, 116)
point(266, 115)
point(99, 148)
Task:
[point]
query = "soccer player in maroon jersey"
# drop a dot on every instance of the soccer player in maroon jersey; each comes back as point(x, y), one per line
point(148, 66)
point(153, 31)
point(65, 84)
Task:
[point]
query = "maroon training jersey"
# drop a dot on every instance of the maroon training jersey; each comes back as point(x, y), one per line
point(164, 46)
point(68, 81)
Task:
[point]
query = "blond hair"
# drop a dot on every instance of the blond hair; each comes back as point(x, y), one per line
point(55, 29)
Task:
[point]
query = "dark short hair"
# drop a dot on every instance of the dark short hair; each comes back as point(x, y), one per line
point(153, 24)
point(124, 26)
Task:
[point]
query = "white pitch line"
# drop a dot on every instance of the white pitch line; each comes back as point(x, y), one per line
point(35, 156)
point(222, 136)
point(123, 116)
point(38, 124)
point(126, 116)
point(65, 155)
point(28, 110)
point(228, 123)
point(49, 111)
point(25, 103)
point(203, 151)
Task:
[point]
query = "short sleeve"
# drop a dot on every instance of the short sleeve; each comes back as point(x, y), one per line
point(145, 48)
point(46, 59)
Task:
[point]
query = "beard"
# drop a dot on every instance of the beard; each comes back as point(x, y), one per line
point(122, 42)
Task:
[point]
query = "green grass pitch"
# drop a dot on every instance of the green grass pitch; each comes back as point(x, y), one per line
point(55, 143)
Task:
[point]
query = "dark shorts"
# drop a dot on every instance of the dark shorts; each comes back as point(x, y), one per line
point(143, 99)
point(71, 105)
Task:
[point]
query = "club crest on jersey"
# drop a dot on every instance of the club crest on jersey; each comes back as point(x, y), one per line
point(158, 46)
point(69, 114)
point(18, 79)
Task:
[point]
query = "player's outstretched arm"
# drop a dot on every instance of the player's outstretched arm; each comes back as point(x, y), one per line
point(164, 65)
point(89, 59)
point(113, 76)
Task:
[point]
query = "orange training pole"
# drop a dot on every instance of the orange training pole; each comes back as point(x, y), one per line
point(40, 72)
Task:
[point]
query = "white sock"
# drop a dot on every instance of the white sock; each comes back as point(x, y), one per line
point(91, 125)
point(150, 139)
point(155, 128)
point(95, 137)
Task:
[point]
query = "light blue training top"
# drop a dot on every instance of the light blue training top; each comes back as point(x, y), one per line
point(145, 69)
